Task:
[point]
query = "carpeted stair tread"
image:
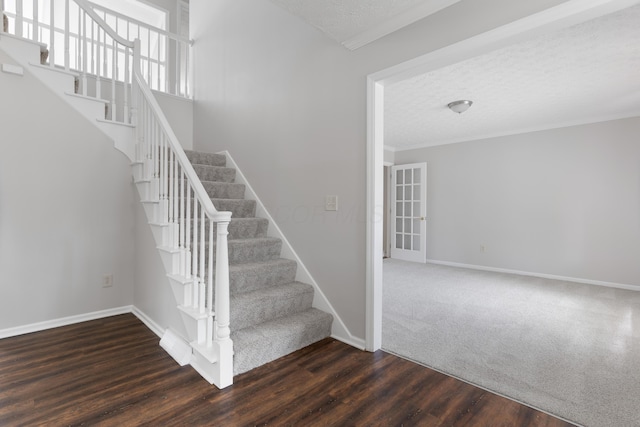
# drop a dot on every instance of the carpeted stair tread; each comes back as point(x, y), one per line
point(256, 345)
point(252, 308)
point(239, 208)
point(210, 159)
point(215, 173)
point(271, 313)
point(249, 277)
point(224, 190)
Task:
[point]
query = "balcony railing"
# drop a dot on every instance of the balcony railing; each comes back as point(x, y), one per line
point(74, 42)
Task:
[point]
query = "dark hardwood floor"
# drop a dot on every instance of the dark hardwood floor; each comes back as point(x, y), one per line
point(112, 372)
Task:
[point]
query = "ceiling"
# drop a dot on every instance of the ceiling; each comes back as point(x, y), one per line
point(582, 74)
point(354, 23)
point(586, 73)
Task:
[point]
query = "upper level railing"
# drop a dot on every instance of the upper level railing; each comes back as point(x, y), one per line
point(164, 56)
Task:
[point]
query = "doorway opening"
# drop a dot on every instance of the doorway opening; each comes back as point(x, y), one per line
point(562, 16)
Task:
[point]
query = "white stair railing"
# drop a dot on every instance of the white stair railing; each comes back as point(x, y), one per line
point(80, 45)
point(182, 206)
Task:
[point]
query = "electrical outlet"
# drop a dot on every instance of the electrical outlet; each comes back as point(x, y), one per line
point(107, 281)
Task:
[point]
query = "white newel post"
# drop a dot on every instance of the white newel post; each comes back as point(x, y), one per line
point(222, 333)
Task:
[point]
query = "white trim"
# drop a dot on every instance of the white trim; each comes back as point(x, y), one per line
point(63, 321)
point(149, 323)
point(375, 205)
point(397, 22)
point(564, 15)
point(621, 116)
point(339, 330)
point(541, 275)
point(569, 13)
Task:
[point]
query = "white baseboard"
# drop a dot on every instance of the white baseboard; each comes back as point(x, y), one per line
point(352, 341)
point(541, 275)
point(149, 323)
point(64, 321)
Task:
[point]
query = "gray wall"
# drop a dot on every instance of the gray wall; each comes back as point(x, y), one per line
point(563, 202)
point(290, 105)
point(66, 209)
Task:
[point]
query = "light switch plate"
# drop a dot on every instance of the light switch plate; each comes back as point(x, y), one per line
point(331, 203)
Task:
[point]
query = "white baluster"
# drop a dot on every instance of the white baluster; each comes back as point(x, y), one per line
point(114, 72)
point(127, 86)
point(78, 59)
point(194, 256)
point(93, 45)
point(99, 51)
point(66, 35)
point(187, 239)
point(176, 200)
point(163, 177)
point(201, 262)
point(84, 52)
point(149, 80)
point(52, 33)
point(171, 195)
point(210, 289)
point(188, 74)
point(19, 19)
point(177, 66)
point(105, 65)
point(158, 87)
point(35, 21)
point(183, 253)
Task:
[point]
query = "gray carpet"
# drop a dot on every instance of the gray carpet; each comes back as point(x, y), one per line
point(271, 313)
point(569, 349)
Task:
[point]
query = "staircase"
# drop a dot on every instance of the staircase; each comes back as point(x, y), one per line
point(241, 304)
point(271, 313)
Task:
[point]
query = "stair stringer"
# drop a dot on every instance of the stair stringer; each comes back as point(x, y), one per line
point(171, 259)
point(62, 82)
point(339, 330)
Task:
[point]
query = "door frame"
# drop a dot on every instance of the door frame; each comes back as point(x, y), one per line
point(400, 253)
point(561, 16)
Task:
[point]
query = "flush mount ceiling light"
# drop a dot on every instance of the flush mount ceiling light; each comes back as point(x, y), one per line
point(459, 106)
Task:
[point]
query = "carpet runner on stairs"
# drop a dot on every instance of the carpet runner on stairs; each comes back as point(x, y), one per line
point(271, 313)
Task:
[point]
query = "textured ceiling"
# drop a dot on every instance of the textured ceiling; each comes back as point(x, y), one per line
point(343, 20)
point(581, 74)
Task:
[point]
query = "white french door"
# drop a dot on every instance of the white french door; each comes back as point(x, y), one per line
point(408, 212)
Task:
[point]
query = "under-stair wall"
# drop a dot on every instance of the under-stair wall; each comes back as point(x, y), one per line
point(66, 211)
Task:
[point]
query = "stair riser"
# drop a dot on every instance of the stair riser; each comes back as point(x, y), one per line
point(224, 190)
point(206, 158)
point(261, 276)
point(238, 208)
point(241, 251)
point(253, 348)
point(249, 313)
point(215, 173)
